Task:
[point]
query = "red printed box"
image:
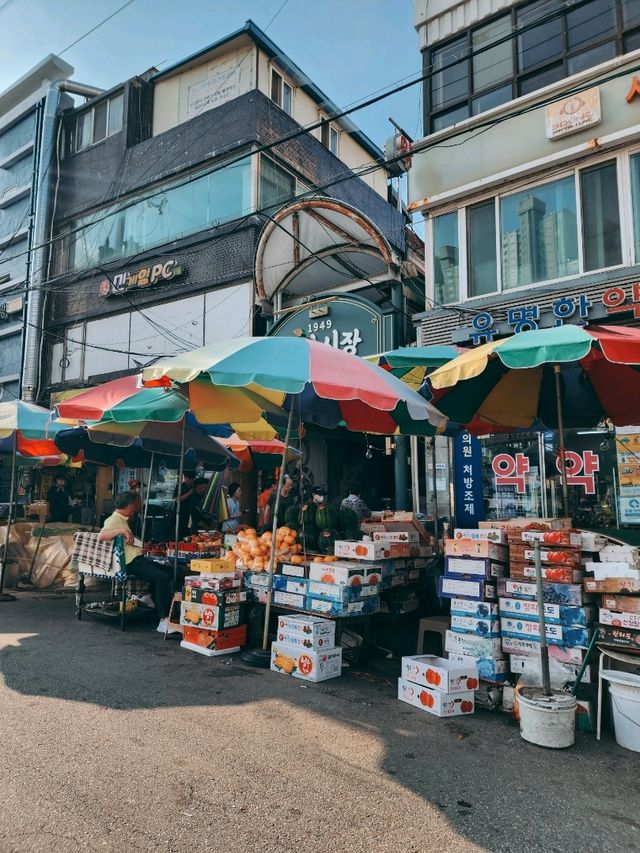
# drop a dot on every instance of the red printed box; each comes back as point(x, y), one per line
point(440, 674)
point(557, 574)
point(557, 538)
point(434, 702)
point(476, 548)
point(525, 553)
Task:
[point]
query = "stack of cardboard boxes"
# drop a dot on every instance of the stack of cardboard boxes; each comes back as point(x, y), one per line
point(211, 610)
point(474, 561)
point(441, 687)
point(305, 648)
point(616, 576)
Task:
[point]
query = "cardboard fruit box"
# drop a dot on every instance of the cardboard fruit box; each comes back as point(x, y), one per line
point(495, 671)
point(553, 538)
point(530, 523)
point(472, 646)
point(489, 534)
point(435, 702)
point(307, 626)
point(326, 607)
point(480, 609)
point(474, 590)
point(551, 573)
point(215, 641)
point(212, 582)
point(560, 635)
point(474, 625)
point(363, 550)
point(524, 553)
point(476, 548)
point(481, 567)
point(620, 553)
point(613, 585)
point(222, 598)
point(528, 648)
point(336, 592)
point(558, 614)
point(553, 593)
point(342, 573)
point(439, 673)
point(604, 571)
point(305, 664)
point(288, 599)
point(223, 567)
point(206, 616)
point(282, 583)
point(530, 669)
point(620, 620)
point(621, 603)
point(623, 638)
point(398, 535)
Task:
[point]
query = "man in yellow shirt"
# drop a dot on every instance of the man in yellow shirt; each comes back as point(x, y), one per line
point(118, 525)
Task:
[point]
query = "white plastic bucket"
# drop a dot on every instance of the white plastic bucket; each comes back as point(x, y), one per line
point(624, 689)
point(547, 720)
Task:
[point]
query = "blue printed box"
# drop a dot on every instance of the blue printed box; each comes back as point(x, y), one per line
point(558, 614)
point(569, 594)
point(496, 671)
point(282, 583)
point(343, 594)
point(476, 567)
point(559, 635)
point(473, 625)
point(326, 607)
point(481, 609)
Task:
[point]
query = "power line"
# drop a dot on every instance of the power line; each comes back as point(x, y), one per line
point(97, 27)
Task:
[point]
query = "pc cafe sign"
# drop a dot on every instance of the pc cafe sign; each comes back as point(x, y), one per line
point(159, 272)
point(581, 469)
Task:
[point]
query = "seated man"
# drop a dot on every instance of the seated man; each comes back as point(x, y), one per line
point(118, 525)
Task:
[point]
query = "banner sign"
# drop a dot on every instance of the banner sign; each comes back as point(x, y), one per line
point(468, 491)
point(628, 451)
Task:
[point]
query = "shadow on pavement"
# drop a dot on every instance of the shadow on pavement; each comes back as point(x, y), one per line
point(491, 787)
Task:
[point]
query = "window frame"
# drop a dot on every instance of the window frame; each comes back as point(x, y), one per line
point(283, 82)
point(618, 35)
point(625, 209)
point(72, 130)
point(328, 132)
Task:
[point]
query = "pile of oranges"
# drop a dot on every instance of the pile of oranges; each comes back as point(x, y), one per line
point(252, 551)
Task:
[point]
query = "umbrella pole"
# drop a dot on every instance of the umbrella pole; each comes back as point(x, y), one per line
point(178, 501)
point(5, 596)
point(565, 490)
point(146, 496)
point(544, 649)
point(274, 531)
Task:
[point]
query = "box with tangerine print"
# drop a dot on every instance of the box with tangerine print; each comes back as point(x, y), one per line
point(228, 638)
point(339, 572)
point(306, 664)
point(439, 674)
point(435, 701)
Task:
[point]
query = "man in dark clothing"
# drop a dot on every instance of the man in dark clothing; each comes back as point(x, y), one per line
point(59, 501)
point(186, 495)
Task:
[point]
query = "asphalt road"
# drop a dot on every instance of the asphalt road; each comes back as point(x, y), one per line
point(125, 742)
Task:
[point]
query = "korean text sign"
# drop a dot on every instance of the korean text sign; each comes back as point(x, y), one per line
point(468, 491)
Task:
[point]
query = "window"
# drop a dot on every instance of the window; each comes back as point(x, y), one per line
point(635, 197)
point(329, 136)
point(277, 186)
point(446, 267)
point(481, 225)
point(94, 125)
point(281, 92)
point(538, 234)
point(179, 210)
point(535, 44)
point(601, 217)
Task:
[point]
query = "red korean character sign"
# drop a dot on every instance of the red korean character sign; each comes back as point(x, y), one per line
point(511, 470)
point(581, 469)
point(615, 300)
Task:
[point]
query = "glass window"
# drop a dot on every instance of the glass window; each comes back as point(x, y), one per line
point(632, 42)
point(492, 99)
point(115, 114)
point(538, 234)
point(333, 140)
point(446, 259)
point(481, 224)
point(493, 64)
point(591, 57)
point(100, 121)
point(541, 79)
point(630, 13)
point(83, 130)
point(276, 87)
point(287, 98)
point(635, 195)
point(447, 119)
point(277, 186)
point(601, 217)
point(540, 44)
point(590, 22)
point(450, 70)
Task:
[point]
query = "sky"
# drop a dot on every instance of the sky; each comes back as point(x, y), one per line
point(349, 48)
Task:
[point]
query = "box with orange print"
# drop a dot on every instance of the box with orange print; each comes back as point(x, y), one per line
point(306, 664)
point(439, 673)
point(435, 701)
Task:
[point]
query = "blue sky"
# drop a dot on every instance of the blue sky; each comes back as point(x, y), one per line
point(350, 48)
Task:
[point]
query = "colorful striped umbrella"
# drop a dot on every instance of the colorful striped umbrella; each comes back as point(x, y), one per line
point(215, 501)
point(258, 455)
point(27, 419)
point(326, 386)
point(411, 364)
point(511, 383)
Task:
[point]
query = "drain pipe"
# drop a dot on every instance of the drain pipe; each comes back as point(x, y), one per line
point(35, 296)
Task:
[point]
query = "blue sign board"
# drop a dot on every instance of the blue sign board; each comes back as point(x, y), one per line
point(468, 491)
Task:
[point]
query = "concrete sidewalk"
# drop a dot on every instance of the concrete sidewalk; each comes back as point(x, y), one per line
point(123, 742)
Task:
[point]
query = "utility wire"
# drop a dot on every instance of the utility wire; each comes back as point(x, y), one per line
point(96, 27)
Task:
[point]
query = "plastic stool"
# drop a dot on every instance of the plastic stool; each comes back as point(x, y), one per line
point(433, 625)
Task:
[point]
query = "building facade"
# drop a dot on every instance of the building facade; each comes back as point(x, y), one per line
point(528, 178)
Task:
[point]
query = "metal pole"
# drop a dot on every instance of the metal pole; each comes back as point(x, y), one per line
point(565, 490)
point(415, 473)
point(146, 496)
point(4, 596)
point(434, 481)
point(615, 496)
point(35, 556)
point(178, 501)
point(274, 531)
point(544, 649)
point(543, 474)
